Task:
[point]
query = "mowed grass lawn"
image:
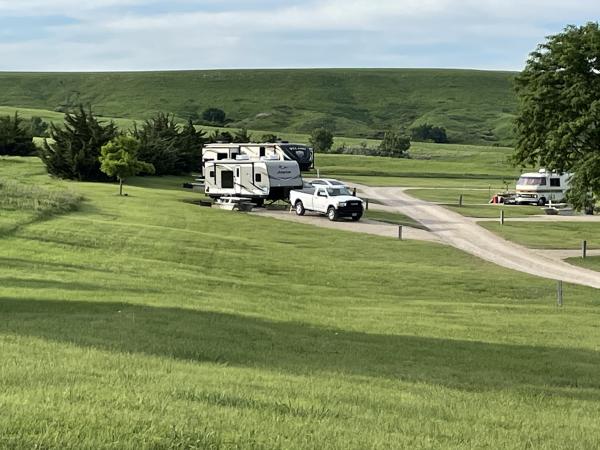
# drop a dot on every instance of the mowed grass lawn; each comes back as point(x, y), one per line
point(431, 165)
point(558, 235)
point(148, 322)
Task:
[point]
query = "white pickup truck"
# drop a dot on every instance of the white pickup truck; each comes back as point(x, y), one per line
point(335, 201)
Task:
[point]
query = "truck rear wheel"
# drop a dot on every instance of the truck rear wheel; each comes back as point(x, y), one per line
point(332, 213)
point(299, 208)
point(541, 201)
point(356, 218)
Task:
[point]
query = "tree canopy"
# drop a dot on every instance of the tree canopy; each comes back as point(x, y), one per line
point(16, 137)
point(558, 122)
point(118, 158)
point(214, 115)
point(74, 150)
point(427, 132)
point(394, 145)
point(321, 140)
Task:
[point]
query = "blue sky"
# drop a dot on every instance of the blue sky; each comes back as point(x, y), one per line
point(98, 35)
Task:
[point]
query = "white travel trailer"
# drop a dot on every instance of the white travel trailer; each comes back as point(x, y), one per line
point(260, 180)
point(284, 151)
point(542, 187)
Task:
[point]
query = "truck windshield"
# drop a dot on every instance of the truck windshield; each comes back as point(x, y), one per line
point(336, 191)
point(532, 181)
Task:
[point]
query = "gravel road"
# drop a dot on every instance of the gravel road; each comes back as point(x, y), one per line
point(463, 233)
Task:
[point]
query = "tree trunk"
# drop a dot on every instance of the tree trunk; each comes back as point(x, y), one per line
point(120, 186)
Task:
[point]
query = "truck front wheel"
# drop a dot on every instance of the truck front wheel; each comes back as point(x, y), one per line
point(300, 208)
point(332, 213)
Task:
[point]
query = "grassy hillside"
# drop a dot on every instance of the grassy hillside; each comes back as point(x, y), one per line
point(146, 322)
point(474, 106)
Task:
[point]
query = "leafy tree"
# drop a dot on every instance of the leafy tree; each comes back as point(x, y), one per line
point(269, 137)
point(394, 145)
point(159, 138)
point(74, 150)
point(427, 132)
point(558, 121)
point(118, 159)
point(214, 115)
point(15, 137)
point(321, 140)
point(241, 136)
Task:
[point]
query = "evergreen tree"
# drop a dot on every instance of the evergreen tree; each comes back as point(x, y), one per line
point(158, 138)
point(15, 136)
point(189, 146)
point(74, 150)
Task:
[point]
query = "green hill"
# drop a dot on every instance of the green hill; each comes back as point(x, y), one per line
point(473, 106)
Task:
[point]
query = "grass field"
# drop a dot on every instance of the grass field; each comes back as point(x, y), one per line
point(473, 106)
point(591, 262)
point(559, 235)
point(148, 322)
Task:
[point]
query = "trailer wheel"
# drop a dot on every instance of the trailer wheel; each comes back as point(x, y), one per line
point(332, 213)
point(300, 208)
point(541, 201)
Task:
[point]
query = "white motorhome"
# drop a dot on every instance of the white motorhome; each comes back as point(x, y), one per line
point(542, 187)
point(260, 180)
point(284, 151)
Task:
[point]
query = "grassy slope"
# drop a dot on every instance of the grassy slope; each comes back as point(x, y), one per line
point(474, 106)
point(148, 322)
point(590, 262)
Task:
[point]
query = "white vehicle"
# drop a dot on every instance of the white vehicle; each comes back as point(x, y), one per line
point(267, 179)
point(283, 151)
point(542, 187)
point(336, 202)
point(327, 182)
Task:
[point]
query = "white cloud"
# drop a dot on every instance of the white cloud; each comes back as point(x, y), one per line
point(137, 34)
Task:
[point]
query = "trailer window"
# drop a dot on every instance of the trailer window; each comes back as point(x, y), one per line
point(227, 179)
point(258, 177)
point(261, 151)
point(211, 174)
point(555, 182)
point(221, 156)
point(237, 172)
point(532, 181)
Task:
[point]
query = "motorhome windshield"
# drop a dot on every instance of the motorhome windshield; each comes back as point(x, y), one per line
point(337, 191)
point(532, 181)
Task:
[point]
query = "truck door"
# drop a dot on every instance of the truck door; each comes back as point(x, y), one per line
point(320, 200)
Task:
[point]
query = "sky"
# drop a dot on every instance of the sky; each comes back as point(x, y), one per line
point(117, 35)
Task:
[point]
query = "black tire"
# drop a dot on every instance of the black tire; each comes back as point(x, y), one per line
point(332, 213)
point(541, 202)
point(259, 202)
point(356, 218)
point(299, 207)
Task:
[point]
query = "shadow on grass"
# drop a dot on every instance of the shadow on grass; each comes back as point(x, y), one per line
point(200, 336)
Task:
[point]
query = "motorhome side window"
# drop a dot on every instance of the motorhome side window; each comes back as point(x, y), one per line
point(258, 177)
point(543, 182)
point(555, 182)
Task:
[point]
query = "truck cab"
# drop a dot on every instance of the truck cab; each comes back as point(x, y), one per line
point(335, 201)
